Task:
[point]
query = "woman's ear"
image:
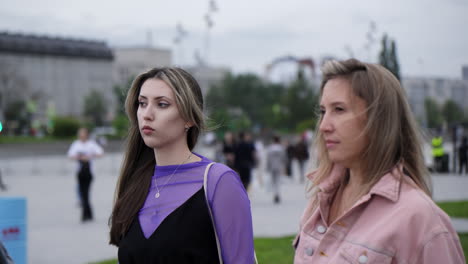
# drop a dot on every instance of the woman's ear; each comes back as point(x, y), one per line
point(189, 124)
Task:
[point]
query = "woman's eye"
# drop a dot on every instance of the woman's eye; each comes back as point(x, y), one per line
point(163, 104)
point(339, 109)
point(141, 103)
point(322, 112)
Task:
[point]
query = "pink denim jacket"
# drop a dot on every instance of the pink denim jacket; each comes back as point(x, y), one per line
point(395, 222)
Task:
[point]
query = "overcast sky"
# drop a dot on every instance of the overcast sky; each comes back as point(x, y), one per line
point(431, 35)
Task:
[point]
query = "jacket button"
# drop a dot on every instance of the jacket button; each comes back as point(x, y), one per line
point(321, 229)
point(362, 259)
point(309, 251)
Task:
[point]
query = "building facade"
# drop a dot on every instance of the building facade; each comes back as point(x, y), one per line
point(131, 61)
point(207, 76)
point(440, 90)
point(54, 73)
point(465, 72)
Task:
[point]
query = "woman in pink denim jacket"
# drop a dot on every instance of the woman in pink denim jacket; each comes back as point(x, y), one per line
point(371, 193)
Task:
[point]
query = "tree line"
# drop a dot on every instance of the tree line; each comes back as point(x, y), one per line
point(245, 101)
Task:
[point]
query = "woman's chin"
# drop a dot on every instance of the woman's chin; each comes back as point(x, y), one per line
point(151, 143)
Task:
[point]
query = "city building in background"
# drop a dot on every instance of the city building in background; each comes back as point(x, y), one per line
point(131, 61)
point(439, 89)
point(207, 76)
point(465, 72)
point(53, 75)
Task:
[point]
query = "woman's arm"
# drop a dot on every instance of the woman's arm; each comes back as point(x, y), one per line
point(232, 216)
point(442, 248)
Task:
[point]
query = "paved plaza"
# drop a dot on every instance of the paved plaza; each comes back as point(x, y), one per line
point(56, 235)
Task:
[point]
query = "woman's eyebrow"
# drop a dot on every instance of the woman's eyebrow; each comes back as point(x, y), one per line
point(333, 103)
point(156, 98)
point(338, 103)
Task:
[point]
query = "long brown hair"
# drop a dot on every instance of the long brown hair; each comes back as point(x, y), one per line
point(394, 137)
point(138, 163)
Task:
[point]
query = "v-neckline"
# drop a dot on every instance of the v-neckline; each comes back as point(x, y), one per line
point(169, 215)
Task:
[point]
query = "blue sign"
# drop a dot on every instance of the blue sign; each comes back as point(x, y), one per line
point(13, 232)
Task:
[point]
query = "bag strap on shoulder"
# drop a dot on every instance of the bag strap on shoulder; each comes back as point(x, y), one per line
point(205, 188)
point(205, 184)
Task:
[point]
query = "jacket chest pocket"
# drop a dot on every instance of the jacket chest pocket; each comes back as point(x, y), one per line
point(305, 248)
point(355, 254)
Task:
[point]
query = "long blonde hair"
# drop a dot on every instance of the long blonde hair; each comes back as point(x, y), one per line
point(138, 164)
point(393, 133)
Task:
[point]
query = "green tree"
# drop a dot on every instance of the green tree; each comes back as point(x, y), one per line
point(14, 92)
point(301, 103)
point(273, 111)
point(121, 122)
point(120, 93)
point(16, 117)
point(95, 108)
point(246, 99)
point(11, 82)
point(434, 114)
point(452, 112)
point(388, 56)
point(243, 96)
point(65, 127)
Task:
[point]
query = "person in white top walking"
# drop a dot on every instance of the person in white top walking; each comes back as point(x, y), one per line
point(276, 161)
point(84, 151)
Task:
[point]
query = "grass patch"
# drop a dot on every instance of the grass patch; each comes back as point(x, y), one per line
point(464, 242)
point(275, 250)
point(112, 261)
point(455, 209)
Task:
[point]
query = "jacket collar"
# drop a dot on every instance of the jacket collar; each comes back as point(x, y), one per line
point(388, 186)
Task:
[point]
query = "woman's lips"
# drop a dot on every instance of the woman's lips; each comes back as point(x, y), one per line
point(147, 130)
point(331, 143)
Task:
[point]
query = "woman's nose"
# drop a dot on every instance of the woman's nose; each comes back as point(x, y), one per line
point(148, 114)
point(325, 124)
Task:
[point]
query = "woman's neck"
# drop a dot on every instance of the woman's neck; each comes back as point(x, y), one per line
point(174, 155)
point(348, 192)
point(356, 178)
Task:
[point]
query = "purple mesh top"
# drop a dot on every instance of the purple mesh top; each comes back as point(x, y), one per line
point(229, 203)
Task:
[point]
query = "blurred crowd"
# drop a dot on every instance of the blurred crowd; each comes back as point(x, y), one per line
point(273, 154)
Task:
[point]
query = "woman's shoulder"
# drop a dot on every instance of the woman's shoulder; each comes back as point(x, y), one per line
point(219, 170)
point(222, 179)
point(421, 209)
point(408, 224)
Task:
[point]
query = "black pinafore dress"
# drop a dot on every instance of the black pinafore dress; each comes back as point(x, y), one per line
point(185, 236)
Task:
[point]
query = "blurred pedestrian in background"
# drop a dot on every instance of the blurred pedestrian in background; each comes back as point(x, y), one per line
point(371, 193)
point(2, 184)
point(301, 153)
point(84, 150)
point(289, 158)
point(463, 155)
point(438, 153)
point(275, 165)
point(229, 149)
point(245, 158)
point(170, 206)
